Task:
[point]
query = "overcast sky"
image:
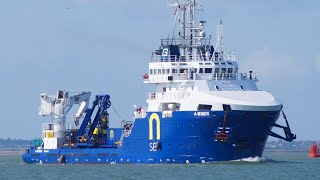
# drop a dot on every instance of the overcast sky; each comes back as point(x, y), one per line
point(104, 46)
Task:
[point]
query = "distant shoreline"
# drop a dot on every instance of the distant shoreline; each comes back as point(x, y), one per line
point(10, 152)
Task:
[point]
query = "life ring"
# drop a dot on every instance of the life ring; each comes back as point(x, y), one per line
point(145, 76)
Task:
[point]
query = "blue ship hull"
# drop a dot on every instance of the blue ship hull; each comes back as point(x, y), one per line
point(186, 137)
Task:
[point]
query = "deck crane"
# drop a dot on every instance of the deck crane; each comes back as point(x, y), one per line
point(57, 107)
point(88, 126)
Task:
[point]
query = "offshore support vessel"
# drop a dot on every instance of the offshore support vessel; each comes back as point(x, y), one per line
point(202, 109)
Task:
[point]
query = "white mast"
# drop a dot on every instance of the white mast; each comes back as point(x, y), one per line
point(220, 44)
point(185, 12)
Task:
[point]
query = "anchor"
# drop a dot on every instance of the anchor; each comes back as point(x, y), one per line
point(287, 131)
point(222, 134)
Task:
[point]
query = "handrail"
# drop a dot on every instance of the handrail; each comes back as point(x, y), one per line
point(156, 78)
point(168, 95)
point(175, 41)
point(191, 58)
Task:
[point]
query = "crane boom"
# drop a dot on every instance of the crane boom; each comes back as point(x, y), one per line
point(58, 107)
point(103, 102)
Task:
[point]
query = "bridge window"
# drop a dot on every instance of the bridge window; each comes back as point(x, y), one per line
point(174, 71)
point(200, 70)
point(208, 70)
point(168, 71)
point(217, 70)
point(223, 70)
point(159, 71)
point(204, 107)
point(154, 71)
point(163, 71)
point(151, 71)
point(195, 70)
point(230, 70)
point(183, 70)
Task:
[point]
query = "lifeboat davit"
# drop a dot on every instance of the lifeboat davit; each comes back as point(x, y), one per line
point(314, 151)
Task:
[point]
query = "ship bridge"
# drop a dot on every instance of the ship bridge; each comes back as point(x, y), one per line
point(191, 55)
point(170, 68)
point(190, 61)
point(175, 71)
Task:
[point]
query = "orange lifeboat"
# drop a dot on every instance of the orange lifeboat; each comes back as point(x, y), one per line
point(314, 151)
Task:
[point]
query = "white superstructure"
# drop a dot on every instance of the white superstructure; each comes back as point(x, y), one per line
point(190, 70)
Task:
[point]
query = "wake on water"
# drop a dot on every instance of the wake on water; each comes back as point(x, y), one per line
point(246, 160)
point(254, 159)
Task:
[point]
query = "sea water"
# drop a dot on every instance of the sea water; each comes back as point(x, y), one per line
point(273, 165)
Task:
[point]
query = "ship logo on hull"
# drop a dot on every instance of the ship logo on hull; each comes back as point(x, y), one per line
point(153, 117)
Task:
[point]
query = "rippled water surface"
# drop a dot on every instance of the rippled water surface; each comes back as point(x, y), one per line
point(274, 165)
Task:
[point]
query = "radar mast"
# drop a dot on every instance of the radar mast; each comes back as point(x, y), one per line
point(190, 35)
point(220, 44)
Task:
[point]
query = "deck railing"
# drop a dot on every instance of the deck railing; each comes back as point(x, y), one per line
point(158, 78)
point(180, 42)
point(199, 57)
point(168, 95)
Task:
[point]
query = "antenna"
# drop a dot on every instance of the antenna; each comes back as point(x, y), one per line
point(220, 44)
point(190, 34)
point(184, 14)
point(173, 2)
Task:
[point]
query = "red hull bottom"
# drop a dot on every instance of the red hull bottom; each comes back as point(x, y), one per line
point(314, 155)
